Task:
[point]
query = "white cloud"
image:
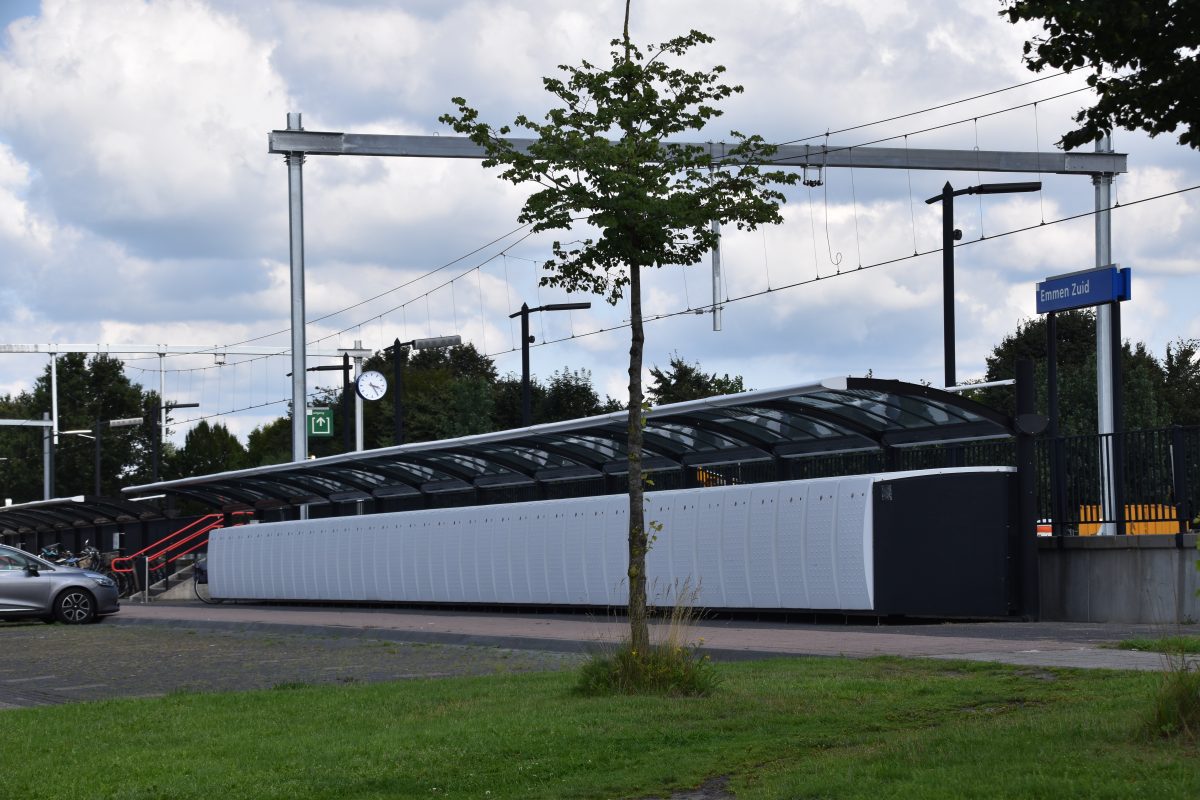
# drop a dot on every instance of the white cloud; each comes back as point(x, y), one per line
point(144, 117)
point(21, 228)
point(138, 202)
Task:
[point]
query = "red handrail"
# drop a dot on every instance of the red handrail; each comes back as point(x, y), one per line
point(173, 542)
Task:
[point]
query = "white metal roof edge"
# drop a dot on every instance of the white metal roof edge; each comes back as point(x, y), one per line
point(33, 505)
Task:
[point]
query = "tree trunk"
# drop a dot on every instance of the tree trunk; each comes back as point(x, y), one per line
point(639, 632)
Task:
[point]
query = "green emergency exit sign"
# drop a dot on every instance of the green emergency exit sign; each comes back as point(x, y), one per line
point(320, 422)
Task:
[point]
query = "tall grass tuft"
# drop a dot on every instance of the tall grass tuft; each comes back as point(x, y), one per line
point(674, 666)
point(1176, 709)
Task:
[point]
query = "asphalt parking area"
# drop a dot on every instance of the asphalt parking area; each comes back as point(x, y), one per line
point(49, 664)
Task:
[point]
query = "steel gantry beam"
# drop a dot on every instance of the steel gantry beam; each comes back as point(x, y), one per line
point(295, 144)
point(326, 143)
point(159, 349)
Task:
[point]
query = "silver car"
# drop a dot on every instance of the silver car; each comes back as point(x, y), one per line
point(32, 587)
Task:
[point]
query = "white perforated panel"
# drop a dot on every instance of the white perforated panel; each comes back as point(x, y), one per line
point(794, 544)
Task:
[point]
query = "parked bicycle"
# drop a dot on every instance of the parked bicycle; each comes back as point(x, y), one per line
point(91, 558)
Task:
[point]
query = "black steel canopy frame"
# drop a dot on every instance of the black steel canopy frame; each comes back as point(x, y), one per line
point(833, 415)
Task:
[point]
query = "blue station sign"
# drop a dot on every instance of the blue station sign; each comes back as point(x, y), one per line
point(1091, 287)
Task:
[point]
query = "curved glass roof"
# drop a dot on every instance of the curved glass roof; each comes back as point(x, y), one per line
point(834, 415)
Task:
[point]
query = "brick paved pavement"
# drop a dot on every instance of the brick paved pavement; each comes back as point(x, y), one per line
point(1042, 644)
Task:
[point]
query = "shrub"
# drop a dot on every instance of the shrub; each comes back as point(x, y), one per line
point(1176, 710)
point(673, 666)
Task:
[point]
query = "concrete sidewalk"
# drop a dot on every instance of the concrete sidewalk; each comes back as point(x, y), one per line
point(1037, 644)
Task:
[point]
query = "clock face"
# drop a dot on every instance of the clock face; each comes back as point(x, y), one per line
point(371, 385)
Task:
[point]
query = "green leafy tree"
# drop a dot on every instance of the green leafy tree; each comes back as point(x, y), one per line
point(570, 395)
point(1142, 55)
point(207, 449)
point(270, 443)
point(448, 393)
point(1181, 390)
point(1155, 394)
point(506, 409)
point(89, 390)
point(651, 202)
point(686, 381)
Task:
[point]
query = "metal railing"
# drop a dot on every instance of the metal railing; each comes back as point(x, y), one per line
point(158, 561)
point(1156, 481)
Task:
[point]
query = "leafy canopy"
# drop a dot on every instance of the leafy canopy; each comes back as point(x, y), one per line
point(1143, 54)
point(683, 381)
point(651, 202)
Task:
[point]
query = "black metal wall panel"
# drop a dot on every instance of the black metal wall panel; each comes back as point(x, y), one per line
point(943, 544)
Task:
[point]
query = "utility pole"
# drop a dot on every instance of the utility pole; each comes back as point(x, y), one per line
point(950, 235)
point(161, 412)
point(431, 343)
point(526, 340)
point(1108, 364)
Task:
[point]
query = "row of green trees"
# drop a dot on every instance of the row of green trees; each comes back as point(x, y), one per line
point(447, 393)
point(1156, 393)
point(458, 391)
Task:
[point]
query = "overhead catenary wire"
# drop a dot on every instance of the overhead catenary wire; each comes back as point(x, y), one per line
point(917, 113)
point(755, 294)
point(406, 284)
point(770, 288)
point(861, 268)
point(825, 134)
point(918, 131)
point(357, 324)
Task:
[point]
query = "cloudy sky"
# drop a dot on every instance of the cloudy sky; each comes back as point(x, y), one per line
point(139, 204)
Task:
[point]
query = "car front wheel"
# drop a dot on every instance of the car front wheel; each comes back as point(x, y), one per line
point(75, 607)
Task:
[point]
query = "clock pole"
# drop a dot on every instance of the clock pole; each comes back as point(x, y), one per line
point(358, 403)
point(349, 400)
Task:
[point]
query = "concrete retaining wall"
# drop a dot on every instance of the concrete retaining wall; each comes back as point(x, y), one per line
point(1151, 579)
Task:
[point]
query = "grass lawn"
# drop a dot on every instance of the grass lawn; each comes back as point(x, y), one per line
point(796, 728)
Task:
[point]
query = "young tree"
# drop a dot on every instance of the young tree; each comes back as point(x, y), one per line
point(685, 381)
point(1143, 57)
point(651, 202)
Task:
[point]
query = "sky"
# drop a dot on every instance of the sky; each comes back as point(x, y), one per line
point(139, 204)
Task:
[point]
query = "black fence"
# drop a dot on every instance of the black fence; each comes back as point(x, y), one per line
point(1154, 485)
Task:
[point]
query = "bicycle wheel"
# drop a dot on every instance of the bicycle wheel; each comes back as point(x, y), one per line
point(125, 586)
point(201, 590)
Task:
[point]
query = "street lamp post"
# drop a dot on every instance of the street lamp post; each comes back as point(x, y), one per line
point(159, 431)
point(431, 343)
point(94, 433)
point(526, 340)
point(949, 236)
